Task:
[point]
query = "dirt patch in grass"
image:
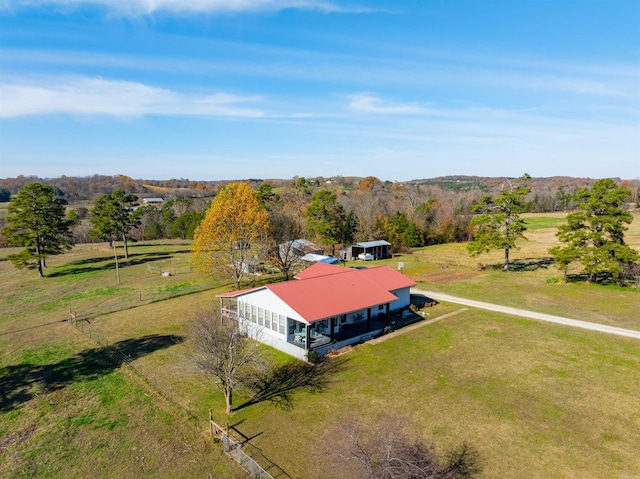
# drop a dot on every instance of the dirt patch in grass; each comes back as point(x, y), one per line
point(15, 438)
point(445, 276)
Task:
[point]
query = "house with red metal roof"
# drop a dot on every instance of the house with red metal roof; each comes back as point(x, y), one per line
point(325, 307)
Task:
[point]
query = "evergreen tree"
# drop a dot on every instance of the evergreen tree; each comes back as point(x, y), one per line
point(36, 221)
point(112, 216)
point(326, 218)
point(594, 236)
point(499, 223)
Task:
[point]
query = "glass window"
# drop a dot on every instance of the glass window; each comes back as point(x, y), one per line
point(254, 313)
point(274, 322)
point(261, 316)
point(267, 319)
point(282, 324)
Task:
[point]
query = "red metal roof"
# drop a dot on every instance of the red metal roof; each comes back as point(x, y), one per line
point(387, 277)
point(323, 290)
point(321, 269)
point(238, 292)
point(331, 295)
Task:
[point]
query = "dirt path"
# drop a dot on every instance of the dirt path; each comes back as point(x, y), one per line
point(530, 314)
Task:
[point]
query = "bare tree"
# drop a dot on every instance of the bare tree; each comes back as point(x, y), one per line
point(282, 253)
point(387, 451)
point(224, 351)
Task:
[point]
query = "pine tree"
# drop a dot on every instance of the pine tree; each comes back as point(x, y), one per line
point(594, 236)
point(36, 221)
point(499, 223)
point(112, 216)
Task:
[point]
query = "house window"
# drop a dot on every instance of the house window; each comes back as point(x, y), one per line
point(261, 316)
point(274, 322)
point(254, 313)
point(282, 324)
point(267, 319)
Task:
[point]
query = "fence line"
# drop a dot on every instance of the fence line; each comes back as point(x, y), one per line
point(232, 447)
point(136, 298)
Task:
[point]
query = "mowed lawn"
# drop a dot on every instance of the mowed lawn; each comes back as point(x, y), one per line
point(536, 399)
point(534, 283)
point(66, 410)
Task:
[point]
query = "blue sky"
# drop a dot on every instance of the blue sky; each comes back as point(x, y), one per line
point(230, 89)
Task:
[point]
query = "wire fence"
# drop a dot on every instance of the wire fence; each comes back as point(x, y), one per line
point(170, 267)
point(136, 298)
point(232, 446)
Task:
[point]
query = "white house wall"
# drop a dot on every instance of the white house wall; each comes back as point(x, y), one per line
point(404, 299)
point(266, 299)
point(273, 339)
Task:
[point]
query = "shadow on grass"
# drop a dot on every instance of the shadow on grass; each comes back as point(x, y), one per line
point(90, 265)
point(526, 264)
point(602, 279)
point(279, 384)
point(22, 382)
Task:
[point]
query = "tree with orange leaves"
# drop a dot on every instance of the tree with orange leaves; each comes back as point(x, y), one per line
point(230, 233)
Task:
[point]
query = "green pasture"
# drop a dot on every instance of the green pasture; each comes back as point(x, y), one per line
point(533, 283)
point(66, 410)
point(536, 399)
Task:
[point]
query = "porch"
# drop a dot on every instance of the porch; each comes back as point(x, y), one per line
point(326, 334)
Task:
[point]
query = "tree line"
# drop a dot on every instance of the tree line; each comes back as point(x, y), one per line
point(405, 214)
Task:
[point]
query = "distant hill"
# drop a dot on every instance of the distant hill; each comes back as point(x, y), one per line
point(90, 187)
point(75, 188)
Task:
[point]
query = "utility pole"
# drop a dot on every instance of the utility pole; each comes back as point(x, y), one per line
point(115, 254)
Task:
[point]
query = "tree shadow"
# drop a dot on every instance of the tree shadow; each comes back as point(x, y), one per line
point(20, 383)
point(525, 264)
point(278, 384)
point(84, 266)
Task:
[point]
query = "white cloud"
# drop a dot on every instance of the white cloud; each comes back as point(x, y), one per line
point(369, 103)
point(97, 96)
point(146, 7)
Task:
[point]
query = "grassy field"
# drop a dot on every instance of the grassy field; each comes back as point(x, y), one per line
point(532, 283)
point(66, 410)
point(537, 400)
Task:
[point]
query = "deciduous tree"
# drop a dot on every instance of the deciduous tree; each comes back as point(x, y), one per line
point(594, 236)
point(234, 227)
point(499, 223)
point(388, 451)
point(224, 352)
point(36, 221)
point(282, 253)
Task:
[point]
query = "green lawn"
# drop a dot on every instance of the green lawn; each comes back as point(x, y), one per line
point(67, 412)
point(536, 399)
